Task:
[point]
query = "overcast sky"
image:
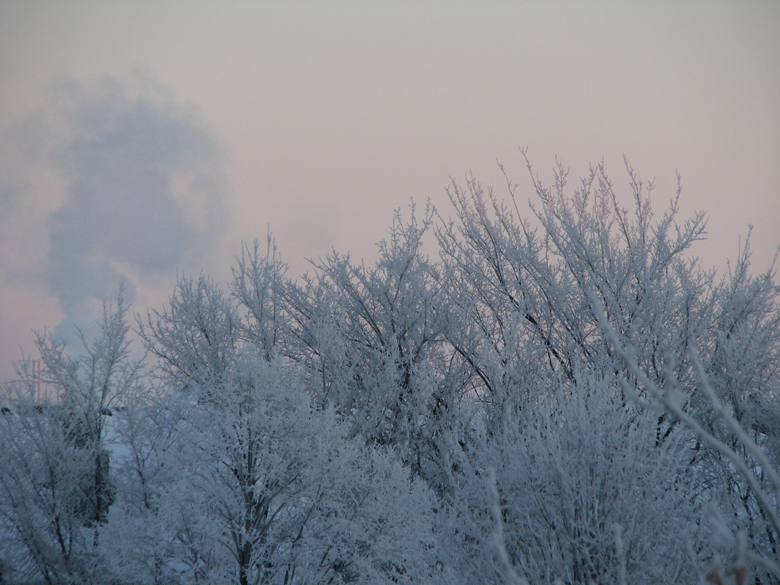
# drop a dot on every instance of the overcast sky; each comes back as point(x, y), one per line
point(142, 138)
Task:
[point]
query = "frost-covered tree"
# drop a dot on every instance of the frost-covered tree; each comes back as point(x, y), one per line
point(371, 338)
point(585, 493)
point(558, 397)
point(259, 288)
point(267, 487)
point(55, 486)
point(195, 337)
point(521, 291)
point(529, 300)
point(739, 465)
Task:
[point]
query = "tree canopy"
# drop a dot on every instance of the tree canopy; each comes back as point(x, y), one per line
point(558, 395)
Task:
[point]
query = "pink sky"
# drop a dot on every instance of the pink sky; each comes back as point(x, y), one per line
point(141, 138)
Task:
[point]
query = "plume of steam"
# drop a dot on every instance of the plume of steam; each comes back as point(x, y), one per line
point(145, 192)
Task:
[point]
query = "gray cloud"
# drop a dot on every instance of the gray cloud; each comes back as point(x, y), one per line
point(145, 192)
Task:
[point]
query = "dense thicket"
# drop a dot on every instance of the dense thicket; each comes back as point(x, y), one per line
point(561, 398)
